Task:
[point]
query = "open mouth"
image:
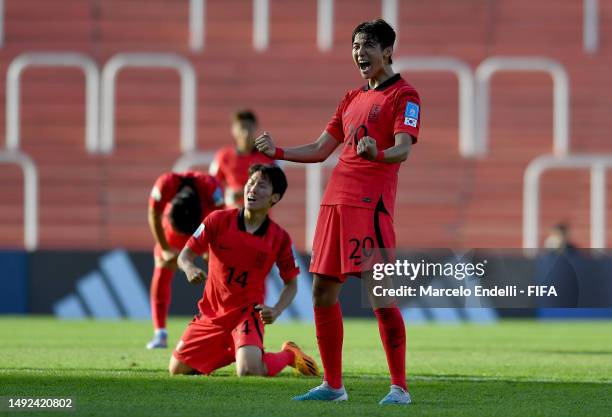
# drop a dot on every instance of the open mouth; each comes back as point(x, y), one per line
point(364, 65)
point(251, 198)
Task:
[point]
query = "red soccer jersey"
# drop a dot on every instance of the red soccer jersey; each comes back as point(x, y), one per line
point(392, 107)
point(170, 183)
point(239, 262)
point(232, 169)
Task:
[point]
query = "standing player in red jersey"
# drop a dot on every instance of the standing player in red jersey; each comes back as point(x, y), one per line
point(376, 126)
point(231, 163)
point(177, 205)
point(243, 246)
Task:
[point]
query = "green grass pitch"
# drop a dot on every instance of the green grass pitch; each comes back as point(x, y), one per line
point(515, 368)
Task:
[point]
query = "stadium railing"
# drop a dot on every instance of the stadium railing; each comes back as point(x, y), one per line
point(590, 26)
point(189, 84)
point(30, 195)
point(325, 28)
point(468, 147)
point(1, 23)
point(531, 194)
point(52, 59)
point(197, 27)
point(325, 24)
point(261, 24)
point(561, 97)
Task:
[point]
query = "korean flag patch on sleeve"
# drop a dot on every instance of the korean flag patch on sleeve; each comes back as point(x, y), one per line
point(199, 231)
point(411, 114)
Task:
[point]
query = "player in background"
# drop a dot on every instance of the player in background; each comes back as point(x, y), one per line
point(231, 163)
point(376, 126)
point(177, 205)
point(243, 245)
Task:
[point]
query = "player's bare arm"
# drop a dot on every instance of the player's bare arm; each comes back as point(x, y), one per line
point(168, 257)
point(366, 148)
point(317, 151)
point(186, 262)
point(270, 314)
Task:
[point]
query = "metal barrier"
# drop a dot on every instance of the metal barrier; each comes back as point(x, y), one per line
point(314, 183)
point(149, 60)
point(561, 122)
point(590, 26)
point(197, 26)
point(261, 24)
point(1, 23)
point(531, 194)
point(52, 59)
point(30, 196)
point(325, 24)
point(390, 14)
point(467, 142)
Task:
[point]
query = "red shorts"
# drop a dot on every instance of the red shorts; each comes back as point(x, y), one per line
point(349, 240)
point(205, 346)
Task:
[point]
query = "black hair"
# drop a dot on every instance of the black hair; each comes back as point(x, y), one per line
point(244, 115)
point(561, 227)
point(273, 174)
point(186, 212)
point(377, 30)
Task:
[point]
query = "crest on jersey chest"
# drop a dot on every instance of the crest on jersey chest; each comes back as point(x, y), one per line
point(374, 113)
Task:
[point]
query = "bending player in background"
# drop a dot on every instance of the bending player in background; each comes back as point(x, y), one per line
point(177, 205)
point(231, 163)
point(376, 125)
point(243, 246)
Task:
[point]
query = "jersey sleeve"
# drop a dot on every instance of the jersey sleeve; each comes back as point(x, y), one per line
point(162, 192)
point(285, 260)
point(407, 113)
point(203, 236)
point(334, 127)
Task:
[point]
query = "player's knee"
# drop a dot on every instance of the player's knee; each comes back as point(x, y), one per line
point(249, 365)
point(325, 291)
point(323, 297)
point(249, 361)
point(242, 371)
point(176, 367)
point(173, 369)
point(318, 300)
point(249, 370)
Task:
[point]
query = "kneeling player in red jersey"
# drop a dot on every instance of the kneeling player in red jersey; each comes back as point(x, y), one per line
point(243, 246)
point(376, 126)
point(177, 205)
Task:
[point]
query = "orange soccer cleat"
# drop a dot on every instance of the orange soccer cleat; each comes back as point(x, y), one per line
point(303, 363)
